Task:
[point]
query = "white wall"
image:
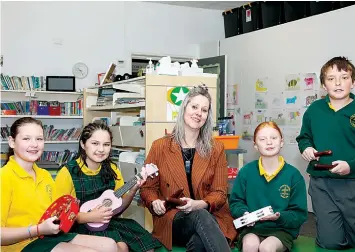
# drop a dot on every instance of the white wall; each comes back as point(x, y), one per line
point(208, 49)
point(98, 33)
point(301, 46)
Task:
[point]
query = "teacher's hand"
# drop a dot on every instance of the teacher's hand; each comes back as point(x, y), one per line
point(158, 207)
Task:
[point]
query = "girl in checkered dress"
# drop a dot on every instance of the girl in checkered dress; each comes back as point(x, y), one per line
point(87, 177)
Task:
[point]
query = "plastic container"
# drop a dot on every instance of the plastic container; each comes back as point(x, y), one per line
point(295, 10)
point(150, 67)
point(343, 4)
point(251, 17)
point(232, 22)
point(319, 7)
point(272, 14)
point(229, 142)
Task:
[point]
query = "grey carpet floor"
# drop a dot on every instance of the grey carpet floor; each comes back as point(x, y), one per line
point(309, 227)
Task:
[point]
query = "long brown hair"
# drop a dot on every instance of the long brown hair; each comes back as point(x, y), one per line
point(15, 128)
point(106, 171)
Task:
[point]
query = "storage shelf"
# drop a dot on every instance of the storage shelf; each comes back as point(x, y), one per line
point(61, 142)
point(50, 142)
point(121, 106)
point(42, 116)
point(38, 91)
point(138, 80)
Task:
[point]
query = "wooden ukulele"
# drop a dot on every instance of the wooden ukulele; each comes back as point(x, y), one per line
point(323, 153)
point(66, 209)
point(324, 166)
point(113, 199)
point(174, 201)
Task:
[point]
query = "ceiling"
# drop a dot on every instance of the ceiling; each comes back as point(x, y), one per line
point(214, 5)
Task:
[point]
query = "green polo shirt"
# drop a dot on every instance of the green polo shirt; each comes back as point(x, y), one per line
point(326, 129)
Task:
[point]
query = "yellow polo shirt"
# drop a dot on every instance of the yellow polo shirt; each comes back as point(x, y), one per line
point(24, 200)
point(65, 184)
point(267, 176)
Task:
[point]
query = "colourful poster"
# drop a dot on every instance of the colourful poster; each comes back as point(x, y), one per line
point(175, 97)
point(232, 94)
point(261, 85)
point(247, 133)
point(293, 117)
point(309, 81)
point(293, 82)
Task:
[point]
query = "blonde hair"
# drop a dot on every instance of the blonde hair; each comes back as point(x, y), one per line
point(204, 139)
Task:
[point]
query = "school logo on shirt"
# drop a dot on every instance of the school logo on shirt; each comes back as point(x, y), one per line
point(285, 191)
point(49, 191)
point(352, 120)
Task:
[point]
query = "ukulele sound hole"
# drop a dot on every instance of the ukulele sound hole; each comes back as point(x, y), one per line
point(107, 202)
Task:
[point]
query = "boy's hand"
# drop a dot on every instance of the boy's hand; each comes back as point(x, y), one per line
point(308, 154)
point(342, 168)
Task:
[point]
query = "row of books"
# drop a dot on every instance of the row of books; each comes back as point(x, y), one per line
point(128, 100)
point(59, 157)
point(36, 107)
point(23, 82)
point(50, 133)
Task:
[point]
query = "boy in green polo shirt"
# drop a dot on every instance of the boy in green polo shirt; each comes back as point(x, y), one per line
point(329, 124)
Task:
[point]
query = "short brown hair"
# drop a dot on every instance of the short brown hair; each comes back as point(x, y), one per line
point(342, 63)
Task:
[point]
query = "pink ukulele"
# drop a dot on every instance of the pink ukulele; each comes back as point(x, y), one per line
point(113, 199)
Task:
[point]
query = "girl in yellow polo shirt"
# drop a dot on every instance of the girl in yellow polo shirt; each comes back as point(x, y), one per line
point(26, 193)
point(92, 173)
point(269, 181)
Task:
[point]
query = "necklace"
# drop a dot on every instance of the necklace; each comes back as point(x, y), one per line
point(188, 155)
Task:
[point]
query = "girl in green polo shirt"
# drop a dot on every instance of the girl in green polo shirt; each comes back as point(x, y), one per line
point(269, 181)
point(26, 193)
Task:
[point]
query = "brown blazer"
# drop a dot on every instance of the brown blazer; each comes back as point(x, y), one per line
point(209, 181)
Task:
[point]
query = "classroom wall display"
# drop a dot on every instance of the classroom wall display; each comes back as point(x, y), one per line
point(284, 106)
point(279, 55)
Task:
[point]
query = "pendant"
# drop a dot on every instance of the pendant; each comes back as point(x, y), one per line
point(188, 166)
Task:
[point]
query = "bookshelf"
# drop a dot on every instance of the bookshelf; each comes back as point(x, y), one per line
point(63, 128)
point(154, 90)
point(42, 117)
point(51, 142)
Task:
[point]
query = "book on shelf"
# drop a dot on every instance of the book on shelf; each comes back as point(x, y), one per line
point(37, 107)
point(59, 157)
point(50, 133)
point(22, 83)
